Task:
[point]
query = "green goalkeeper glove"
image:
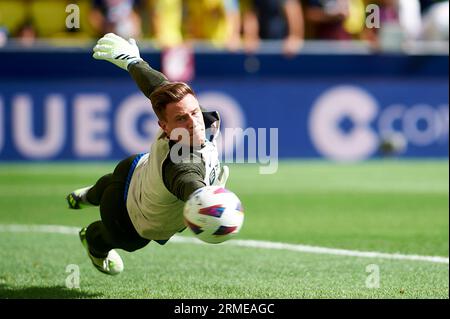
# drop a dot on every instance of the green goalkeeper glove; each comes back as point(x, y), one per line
point(117, 50)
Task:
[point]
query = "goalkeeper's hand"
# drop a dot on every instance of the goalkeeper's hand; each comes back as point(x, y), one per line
point(117, 50)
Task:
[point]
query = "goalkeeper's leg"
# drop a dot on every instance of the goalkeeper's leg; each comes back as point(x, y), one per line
point(89, 196)
point(115, 230)
point(92, 195)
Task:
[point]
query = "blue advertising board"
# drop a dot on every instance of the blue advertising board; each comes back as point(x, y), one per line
point(68, 106)
point(109, 119)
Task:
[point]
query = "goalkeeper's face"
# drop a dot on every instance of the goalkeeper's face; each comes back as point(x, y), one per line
point(184, 119)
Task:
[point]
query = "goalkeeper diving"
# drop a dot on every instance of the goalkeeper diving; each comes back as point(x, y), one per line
point(143, 199)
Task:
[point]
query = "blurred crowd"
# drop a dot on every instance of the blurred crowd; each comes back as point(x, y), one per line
point(228, 24)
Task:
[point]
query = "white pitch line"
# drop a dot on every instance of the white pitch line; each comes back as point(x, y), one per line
point(59, 229)
point(51, 229)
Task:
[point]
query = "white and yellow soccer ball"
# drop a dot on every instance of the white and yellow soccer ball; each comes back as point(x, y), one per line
point(214, 214)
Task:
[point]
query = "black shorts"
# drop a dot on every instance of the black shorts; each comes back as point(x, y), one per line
point(113, 210)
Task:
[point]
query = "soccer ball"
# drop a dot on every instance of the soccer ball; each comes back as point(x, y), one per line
point(214, 214)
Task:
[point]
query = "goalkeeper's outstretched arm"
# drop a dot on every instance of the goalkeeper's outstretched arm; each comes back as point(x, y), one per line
point(146, 78)
point(125, 54)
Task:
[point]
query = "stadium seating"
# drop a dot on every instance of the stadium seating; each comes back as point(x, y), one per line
point(48, 17)
point(13, 14)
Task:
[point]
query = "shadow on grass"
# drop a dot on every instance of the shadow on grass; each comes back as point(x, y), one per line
point(56, 292)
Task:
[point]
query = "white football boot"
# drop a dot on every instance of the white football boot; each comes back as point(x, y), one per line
point(111, 265)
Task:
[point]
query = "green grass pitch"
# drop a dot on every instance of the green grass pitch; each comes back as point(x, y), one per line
point(383, 206)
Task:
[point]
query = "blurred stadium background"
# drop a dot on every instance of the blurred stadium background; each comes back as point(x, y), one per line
point(357, 89)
